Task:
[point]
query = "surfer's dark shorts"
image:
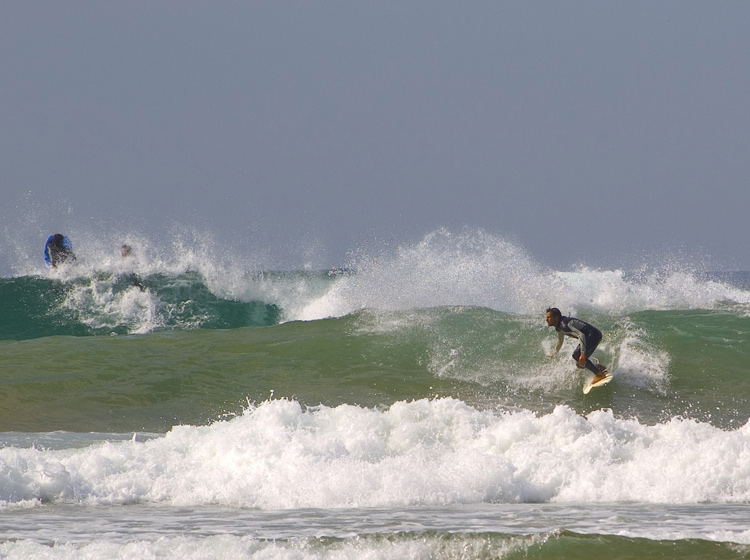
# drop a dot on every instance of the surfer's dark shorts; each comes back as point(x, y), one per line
point(593, 339)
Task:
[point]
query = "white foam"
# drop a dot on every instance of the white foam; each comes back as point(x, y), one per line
point(427, 452)
point(98, 305)
point(615, 293)
point(659, 533)
point(639, 363)
point(239, 548)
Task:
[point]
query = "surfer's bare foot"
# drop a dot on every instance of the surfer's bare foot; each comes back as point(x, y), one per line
point(598, 378)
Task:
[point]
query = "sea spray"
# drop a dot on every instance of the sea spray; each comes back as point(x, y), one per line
point(476, 268)
point(193, 285)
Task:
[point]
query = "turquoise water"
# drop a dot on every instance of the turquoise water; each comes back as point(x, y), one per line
point(401, 408)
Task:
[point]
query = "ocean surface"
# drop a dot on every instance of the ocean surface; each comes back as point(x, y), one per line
point(402, 407)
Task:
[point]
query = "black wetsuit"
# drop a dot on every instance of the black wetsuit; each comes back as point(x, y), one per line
point(58, 250)
point(588, 335)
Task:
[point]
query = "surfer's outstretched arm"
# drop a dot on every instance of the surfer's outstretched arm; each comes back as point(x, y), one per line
point(560, 340)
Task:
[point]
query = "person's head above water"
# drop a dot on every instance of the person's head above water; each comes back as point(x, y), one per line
point(56, 240)
point(126, 250)
point(553, 316)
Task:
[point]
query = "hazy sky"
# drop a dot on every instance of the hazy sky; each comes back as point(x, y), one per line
point(588, 132)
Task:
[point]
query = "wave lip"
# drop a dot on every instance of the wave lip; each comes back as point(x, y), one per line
point(470, 268)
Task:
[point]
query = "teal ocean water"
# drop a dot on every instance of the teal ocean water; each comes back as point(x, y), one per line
point(400, 408)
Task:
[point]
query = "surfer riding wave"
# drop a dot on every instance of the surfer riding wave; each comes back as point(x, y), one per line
point(588, 335)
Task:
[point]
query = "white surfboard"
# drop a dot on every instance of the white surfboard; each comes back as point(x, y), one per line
point(589, 385)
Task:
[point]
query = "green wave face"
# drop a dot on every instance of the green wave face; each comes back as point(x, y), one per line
point(665, 364)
